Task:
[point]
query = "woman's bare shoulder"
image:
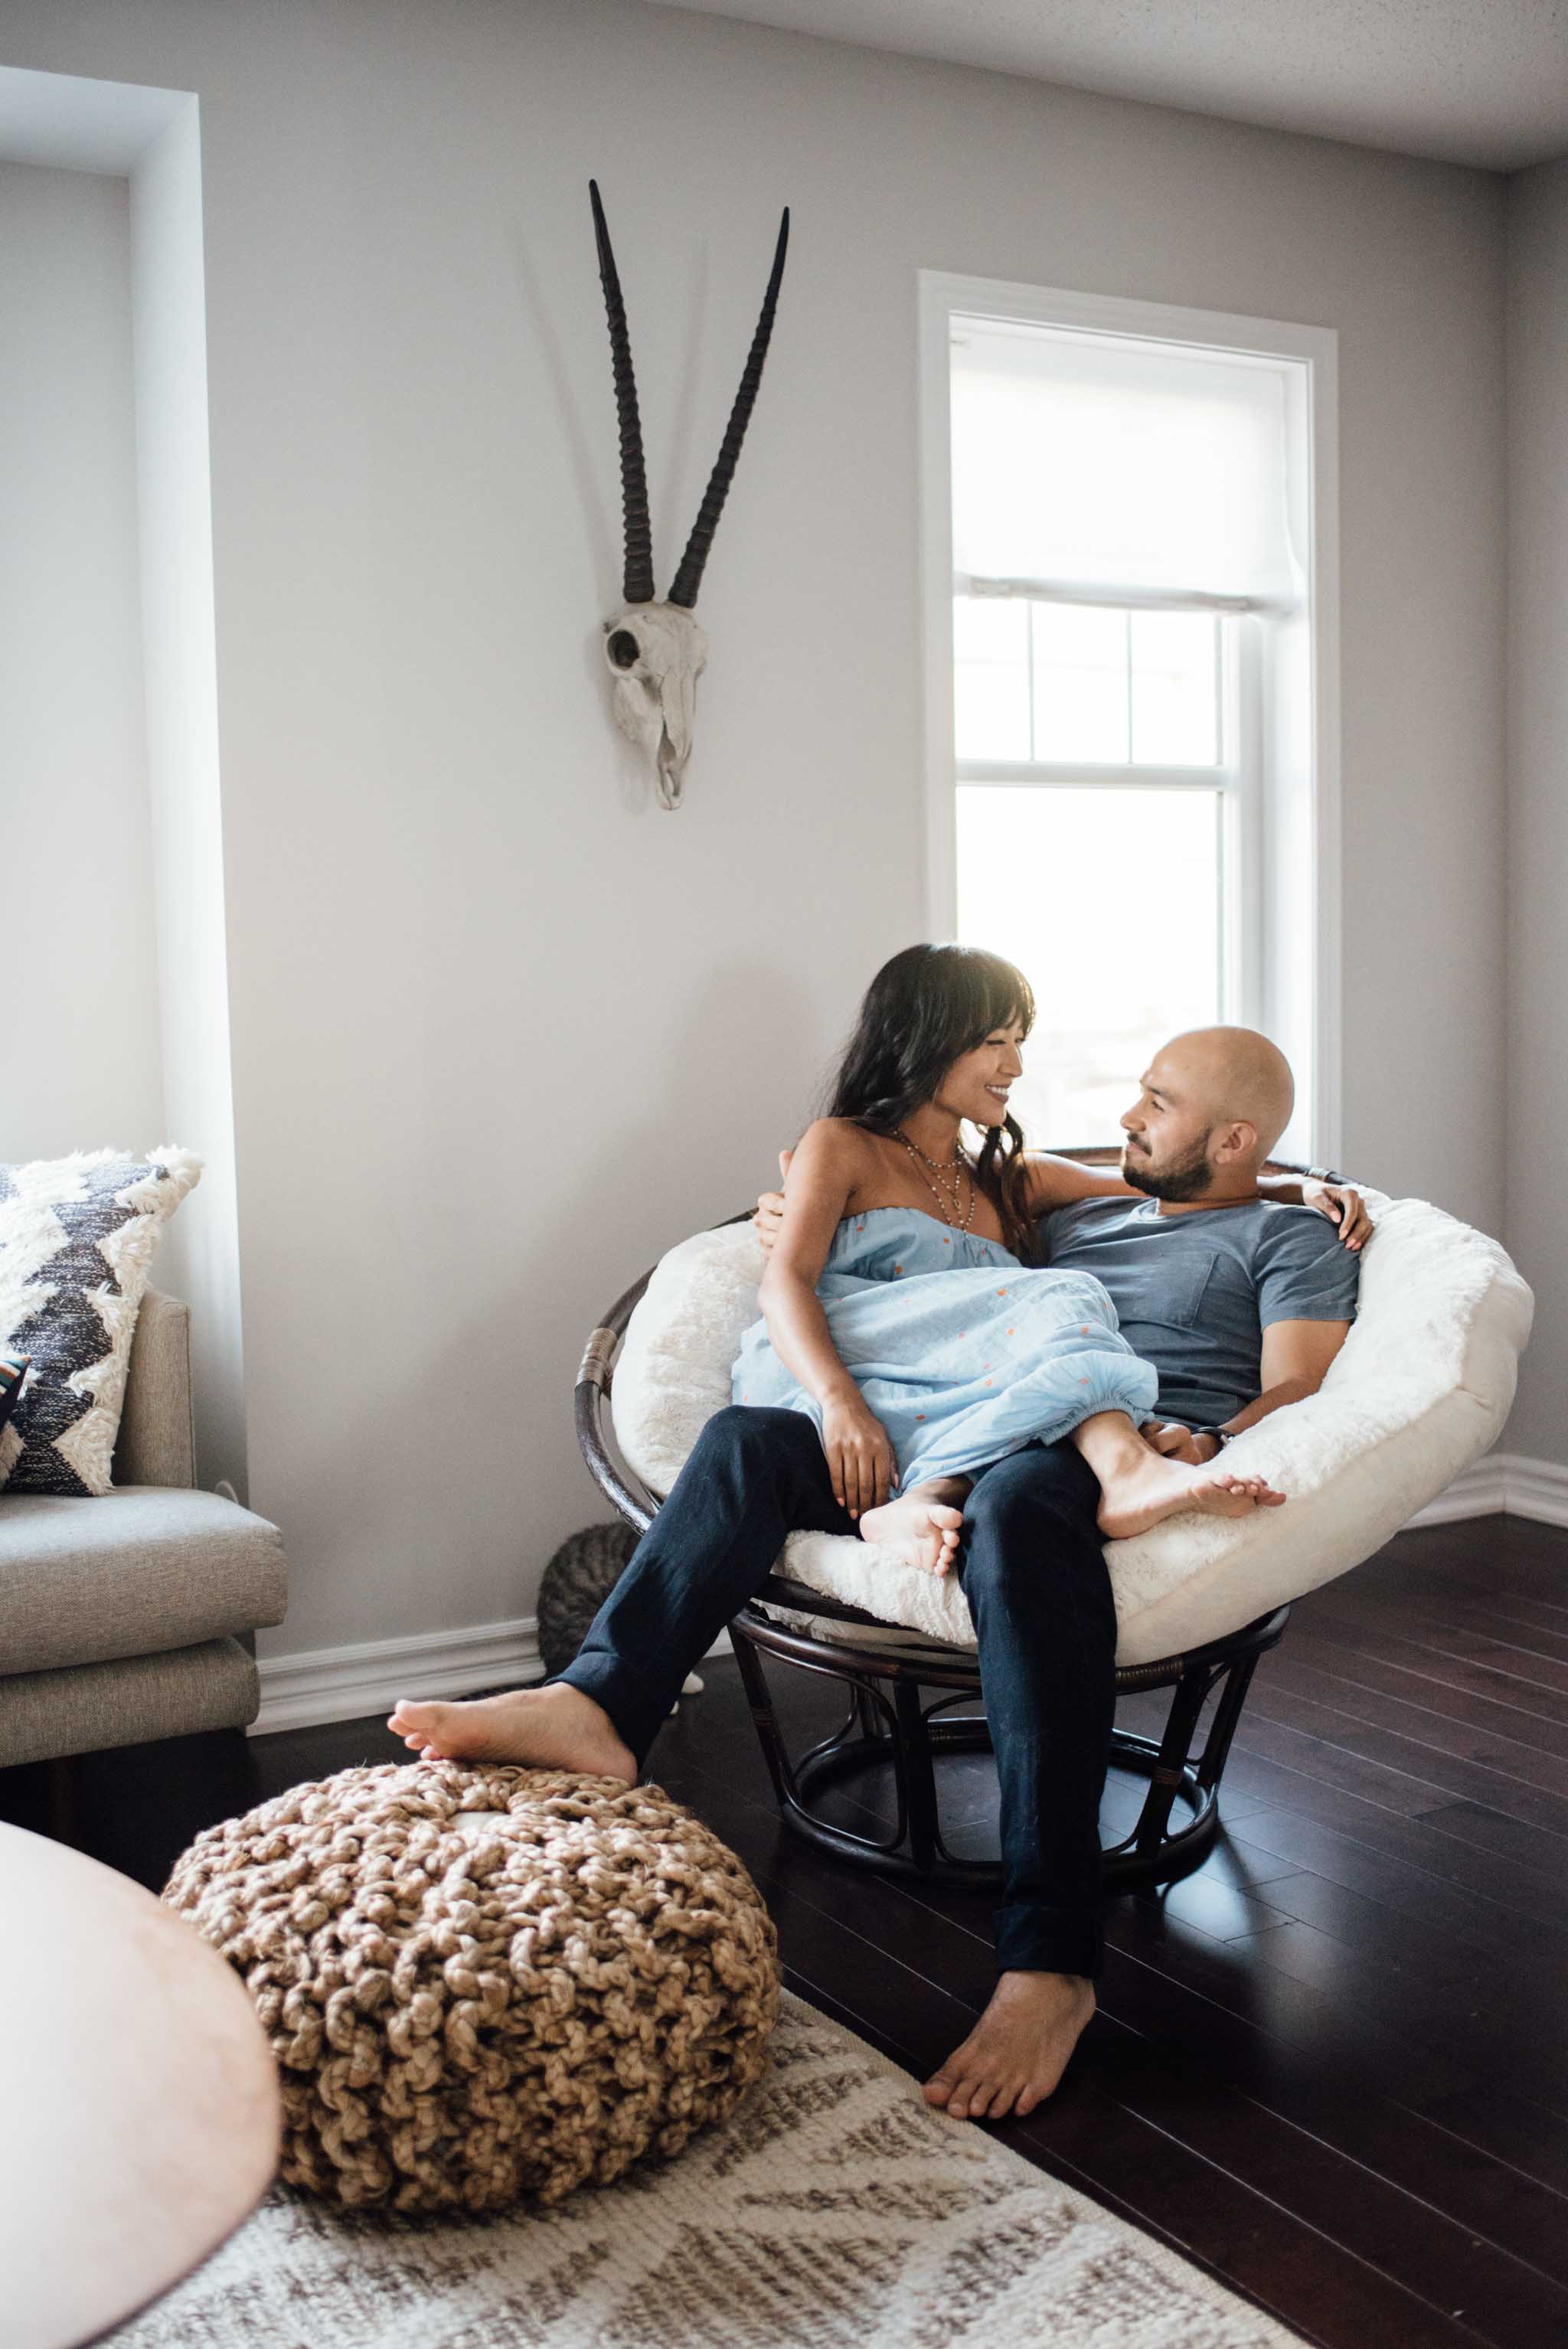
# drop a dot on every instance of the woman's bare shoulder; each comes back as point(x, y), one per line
point(829, 1163)
point(836, 1145)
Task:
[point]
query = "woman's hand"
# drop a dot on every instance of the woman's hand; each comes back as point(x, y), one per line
point(860, 1455)
point(1343, 1205)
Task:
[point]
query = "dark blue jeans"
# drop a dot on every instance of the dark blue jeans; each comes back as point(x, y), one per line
point(1034, 1576)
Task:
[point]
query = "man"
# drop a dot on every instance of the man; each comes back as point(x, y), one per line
point(1239, 1303)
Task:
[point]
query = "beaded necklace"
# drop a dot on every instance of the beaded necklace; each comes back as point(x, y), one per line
point(940, 1169)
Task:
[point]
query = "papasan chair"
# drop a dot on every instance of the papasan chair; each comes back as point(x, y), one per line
point(1420, 1388)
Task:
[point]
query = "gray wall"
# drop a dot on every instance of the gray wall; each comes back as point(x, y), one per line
point(1538, 792)
point(501, 1029)
point(79, 1062)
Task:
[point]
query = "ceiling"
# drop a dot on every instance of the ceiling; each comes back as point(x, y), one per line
point(1466, 81)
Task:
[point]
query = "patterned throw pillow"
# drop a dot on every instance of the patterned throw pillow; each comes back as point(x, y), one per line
point(77, 1236)
point(13, 1370)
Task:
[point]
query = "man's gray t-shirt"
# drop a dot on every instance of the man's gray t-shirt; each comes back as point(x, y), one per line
point(1195, 1292)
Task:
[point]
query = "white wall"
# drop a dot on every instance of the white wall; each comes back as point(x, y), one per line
point(501, 1029)
point(79, 1063)
point(200, 1253)
point(1538, 792)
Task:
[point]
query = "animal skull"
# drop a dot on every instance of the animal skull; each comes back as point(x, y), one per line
point(656, 652)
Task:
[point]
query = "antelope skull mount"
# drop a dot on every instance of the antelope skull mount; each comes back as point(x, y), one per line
point(656, 650)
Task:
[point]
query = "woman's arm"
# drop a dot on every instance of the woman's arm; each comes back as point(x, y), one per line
point(1051, 1181)
point(1056, 1181)
point(1341, 1202)
point(827, 1161)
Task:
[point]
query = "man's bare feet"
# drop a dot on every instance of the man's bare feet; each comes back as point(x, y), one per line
point(923, 1531)
point(1139, 1495)
point(553, 1728)
point(1018, 2051)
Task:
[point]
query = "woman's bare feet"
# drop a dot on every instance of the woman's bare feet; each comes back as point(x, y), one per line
point(1018, 2051)
point(1139, 1495)
point(922, 1530)
point(553, 1728)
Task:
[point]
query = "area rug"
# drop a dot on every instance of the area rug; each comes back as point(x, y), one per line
point(835, 2210)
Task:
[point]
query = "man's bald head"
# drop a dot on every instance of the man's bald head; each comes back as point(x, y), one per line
point(1213, 1104)
point(1236, 1076)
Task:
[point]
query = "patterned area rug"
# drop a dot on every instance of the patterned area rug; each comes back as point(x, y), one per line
point(832, 2211)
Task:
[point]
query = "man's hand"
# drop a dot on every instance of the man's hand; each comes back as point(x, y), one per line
point(1174, 1441)
point(1343, 1205)
point(769, 1220)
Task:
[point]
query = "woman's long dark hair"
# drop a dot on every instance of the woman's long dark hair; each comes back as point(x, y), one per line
point(923, 1011)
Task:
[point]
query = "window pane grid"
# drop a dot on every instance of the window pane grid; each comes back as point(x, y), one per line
point(1060, 684)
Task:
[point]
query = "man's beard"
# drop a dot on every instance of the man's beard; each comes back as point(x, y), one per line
point(1187, 1177)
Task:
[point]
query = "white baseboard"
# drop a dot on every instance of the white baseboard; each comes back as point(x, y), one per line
point(325, 1684)
point(1538, 1489)
point(1502, 1484)
point(1479, 1491)
point(340, 1683)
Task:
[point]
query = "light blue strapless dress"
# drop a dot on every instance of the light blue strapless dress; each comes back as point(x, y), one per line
point(964, 1353)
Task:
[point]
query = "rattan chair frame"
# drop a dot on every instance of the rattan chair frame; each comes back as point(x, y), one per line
point(887, 1725)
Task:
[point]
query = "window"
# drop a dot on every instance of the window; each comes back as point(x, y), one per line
point(1097, 739)
point(1125, 706)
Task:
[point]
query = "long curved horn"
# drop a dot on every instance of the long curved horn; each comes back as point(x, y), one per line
point(688, 578)
point(637, 571)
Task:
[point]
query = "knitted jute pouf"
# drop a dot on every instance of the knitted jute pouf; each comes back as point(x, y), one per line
point(483, 1984)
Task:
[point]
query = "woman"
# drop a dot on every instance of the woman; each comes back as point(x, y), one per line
point(899, 1307)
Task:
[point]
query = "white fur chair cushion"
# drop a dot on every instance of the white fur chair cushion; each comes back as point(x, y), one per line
point(1420, 1388)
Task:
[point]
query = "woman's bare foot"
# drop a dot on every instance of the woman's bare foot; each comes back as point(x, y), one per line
point(1018, 2051)
point(553, 1728)
point(921, 1530)
point(1139, 1495)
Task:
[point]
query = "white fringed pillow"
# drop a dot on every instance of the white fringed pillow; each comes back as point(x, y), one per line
point(77, 1236)
point(1420, 1388)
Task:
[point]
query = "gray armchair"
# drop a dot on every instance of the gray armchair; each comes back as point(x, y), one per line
point(127, 1618)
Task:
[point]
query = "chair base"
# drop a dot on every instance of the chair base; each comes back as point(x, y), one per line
point(887, 1725)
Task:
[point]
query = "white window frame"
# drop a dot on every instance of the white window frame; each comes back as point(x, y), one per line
point(1261, 872)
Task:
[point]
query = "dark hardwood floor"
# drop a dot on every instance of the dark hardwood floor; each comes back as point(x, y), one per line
point(1331, 2065)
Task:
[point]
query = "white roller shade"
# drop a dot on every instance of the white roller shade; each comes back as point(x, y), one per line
point(1111, 462)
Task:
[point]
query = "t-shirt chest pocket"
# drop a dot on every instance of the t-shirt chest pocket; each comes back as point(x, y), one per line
point(1175, 1295)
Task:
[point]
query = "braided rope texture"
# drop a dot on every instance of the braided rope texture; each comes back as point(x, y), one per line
point(469, 2010)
